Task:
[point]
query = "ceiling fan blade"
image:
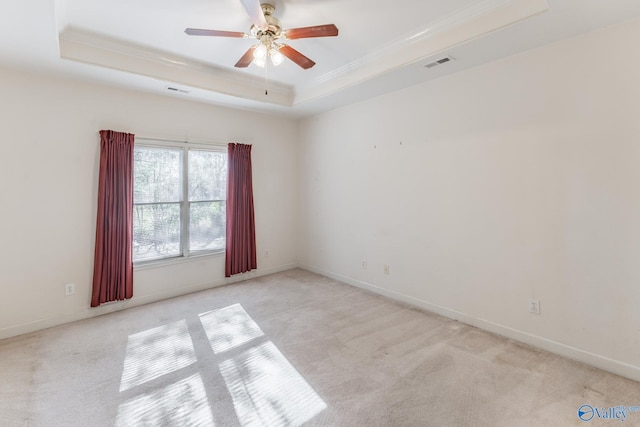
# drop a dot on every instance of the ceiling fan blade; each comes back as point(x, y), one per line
point(296, 57)
point(246, 58)
point(328, 30)
point(254, 10)
point(215, 33)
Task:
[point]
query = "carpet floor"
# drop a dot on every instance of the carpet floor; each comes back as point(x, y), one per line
point(294, 349)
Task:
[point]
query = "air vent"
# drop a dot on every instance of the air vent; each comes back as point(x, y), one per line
point(175, 89)
point(439, 61)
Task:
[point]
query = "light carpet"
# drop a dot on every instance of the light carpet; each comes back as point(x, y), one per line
point(293, 349)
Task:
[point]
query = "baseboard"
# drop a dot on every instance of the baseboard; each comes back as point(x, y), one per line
point(89, 312)
point(592, 359)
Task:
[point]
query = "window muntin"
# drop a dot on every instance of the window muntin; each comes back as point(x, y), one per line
point(167, 224)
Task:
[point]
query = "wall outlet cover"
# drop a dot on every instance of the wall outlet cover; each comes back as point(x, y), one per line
point(69, 289)
point(534, 306)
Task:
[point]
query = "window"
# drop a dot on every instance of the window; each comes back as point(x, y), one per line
point(179, 201)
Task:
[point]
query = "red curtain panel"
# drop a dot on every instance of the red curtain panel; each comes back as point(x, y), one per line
point(113, 264)
point(241, 229)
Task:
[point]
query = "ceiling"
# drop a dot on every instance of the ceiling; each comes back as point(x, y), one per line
point(382, 46)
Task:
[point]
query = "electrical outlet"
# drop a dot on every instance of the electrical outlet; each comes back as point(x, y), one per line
point(534, 306)
point(69, 289)
point(364, 264)
point(386, 269)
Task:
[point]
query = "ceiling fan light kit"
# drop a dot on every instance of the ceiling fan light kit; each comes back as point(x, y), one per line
point(267, 29)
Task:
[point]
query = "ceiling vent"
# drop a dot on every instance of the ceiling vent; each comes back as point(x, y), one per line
point(175, 89)
point(439, 61)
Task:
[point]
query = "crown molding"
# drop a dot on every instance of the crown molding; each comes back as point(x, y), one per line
point(435, 38)
point(463, 26)
point(83, 46)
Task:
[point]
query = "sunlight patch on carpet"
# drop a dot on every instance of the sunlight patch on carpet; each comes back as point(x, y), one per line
point(182, 403)
point(157, 352)
point(229, 327)
point(267, 390)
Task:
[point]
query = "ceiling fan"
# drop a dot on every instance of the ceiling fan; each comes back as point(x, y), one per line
point(268, 31)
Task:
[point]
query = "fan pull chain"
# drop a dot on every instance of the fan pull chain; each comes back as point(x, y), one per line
point(266, 82)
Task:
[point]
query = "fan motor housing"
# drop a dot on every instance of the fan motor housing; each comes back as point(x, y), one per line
point(273, 27)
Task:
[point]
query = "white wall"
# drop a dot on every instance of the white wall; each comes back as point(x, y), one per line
point(515, 180)
point(49, 153)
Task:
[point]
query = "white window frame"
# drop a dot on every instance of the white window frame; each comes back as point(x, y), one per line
point(186, 253)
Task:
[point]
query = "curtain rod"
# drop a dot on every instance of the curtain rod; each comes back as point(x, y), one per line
point(148, 138)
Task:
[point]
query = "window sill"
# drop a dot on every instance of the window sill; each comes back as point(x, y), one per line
point(146, 265)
